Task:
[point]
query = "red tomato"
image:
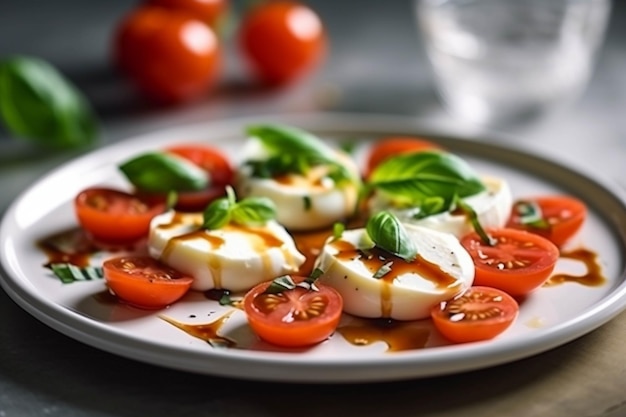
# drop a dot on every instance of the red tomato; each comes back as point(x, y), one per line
point(517, 263)
point(386, 147)
point(144, 282)
point(561, 217)
point(209, 11)
point(215, 163)
point(170, 55)
point(480, 313)
point(115, 216)
point(293, 318)
point(282, 40)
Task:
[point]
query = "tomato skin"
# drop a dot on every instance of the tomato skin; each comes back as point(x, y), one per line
point(170, 56)
point(565, 216)
point(272, 324)
point(282, 41)
point(481, 313)
point(518, 263)
point(144, 282)
point(114, 216)
point(395, 145)
point(209, 11)
point(215, 163)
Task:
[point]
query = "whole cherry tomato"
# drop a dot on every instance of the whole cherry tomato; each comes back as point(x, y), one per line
point(209, 11)
point(170, 55)
point(282, 41)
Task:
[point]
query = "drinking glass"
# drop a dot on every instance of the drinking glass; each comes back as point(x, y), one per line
point(505, 61)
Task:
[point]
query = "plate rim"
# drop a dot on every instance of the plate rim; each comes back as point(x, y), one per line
point(82, 328)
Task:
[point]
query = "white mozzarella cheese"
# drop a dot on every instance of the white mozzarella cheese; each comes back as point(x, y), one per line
point(493, 207)
point(442, 270)
point(234, 257)
point(304, 202)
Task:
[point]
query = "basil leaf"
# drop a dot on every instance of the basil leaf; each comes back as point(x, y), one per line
point(69, 273)
point(217, 214)
point(280, 284)
point(338, 229)
point(278, 139)
point(253, 210)
point(531, 214)
point(383, 270)
point(158, 172)
point(389, 234)
point(413, 177)
point(473, 217)
point(38, 103)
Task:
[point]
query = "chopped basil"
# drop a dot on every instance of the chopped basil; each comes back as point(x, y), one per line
point(530, 214)
point(160, 172)
point(69, 273)
point(429, 180)
point(38, 103)
point(338, 229)
point(389, 233)
point(383, 270)
point(286, 282)
point(307, 202)
point(473, 217)
point(251, 211)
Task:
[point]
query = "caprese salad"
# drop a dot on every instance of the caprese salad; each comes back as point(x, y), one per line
point(411, 233)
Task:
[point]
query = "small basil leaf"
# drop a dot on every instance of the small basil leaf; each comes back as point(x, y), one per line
point(217, 214)
point(69, 273)
point(158, 172)
point(389, 234)
point(338, 229)
point(530, 214)
point(278, 139)
point(253, 211)
point(383, 270)
point(416, 176)
point(38, 103)
point(473, 218)
point(280, 284)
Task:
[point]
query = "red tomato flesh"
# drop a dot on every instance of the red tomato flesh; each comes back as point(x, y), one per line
point(114, 216)
point(561, 217)
point(293, 318)
point(518, 262)
point(144, 282)
point(481, 313)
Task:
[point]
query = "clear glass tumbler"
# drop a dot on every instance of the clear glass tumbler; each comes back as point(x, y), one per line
point(505, 61)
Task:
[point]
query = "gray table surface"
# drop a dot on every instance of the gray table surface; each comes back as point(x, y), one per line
point(376, 65)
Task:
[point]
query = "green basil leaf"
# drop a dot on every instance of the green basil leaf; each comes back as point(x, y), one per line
point(389, 233)
point(413, 177)
point(253, 211)
point(217, 214)
point(158, 172)
point(37, 102)
point(531, 214)
point(278, 139)
point(338, 229)
point(280, 284)
point(383, 270)
point(473, 218)
point(69, 273)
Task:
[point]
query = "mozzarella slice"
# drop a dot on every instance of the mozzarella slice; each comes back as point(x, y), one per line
point(408, 291)
point(234, 257)
point(493, 207)
point(304, 202)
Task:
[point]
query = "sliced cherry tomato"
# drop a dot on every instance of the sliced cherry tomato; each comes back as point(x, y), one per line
point(293, 318)
point(114, 216)
point(282, 40)
point(386, 147)
point(480, 313)
point(517, 263)
point(215, 163)
point(209, 11)
point(170, 55)
point(557, 218)
point(144, 282)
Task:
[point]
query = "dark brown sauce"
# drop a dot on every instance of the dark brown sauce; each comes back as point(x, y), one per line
point(398, 335)
point(209, 332)
point(70, 246)
point(593, 277)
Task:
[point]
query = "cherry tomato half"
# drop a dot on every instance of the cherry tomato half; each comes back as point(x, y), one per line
point(144, 282)
point(387, 147)
point(517, 263)
point(480, 313)
point(217, 166)
point(209, 11)
point(282, 40)
point(293, 318)
point(114, 216)
point(560, 217)
point(170, 55)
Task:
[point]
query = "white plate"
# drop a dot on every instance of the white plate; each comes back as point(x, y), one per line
point(550, 317)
